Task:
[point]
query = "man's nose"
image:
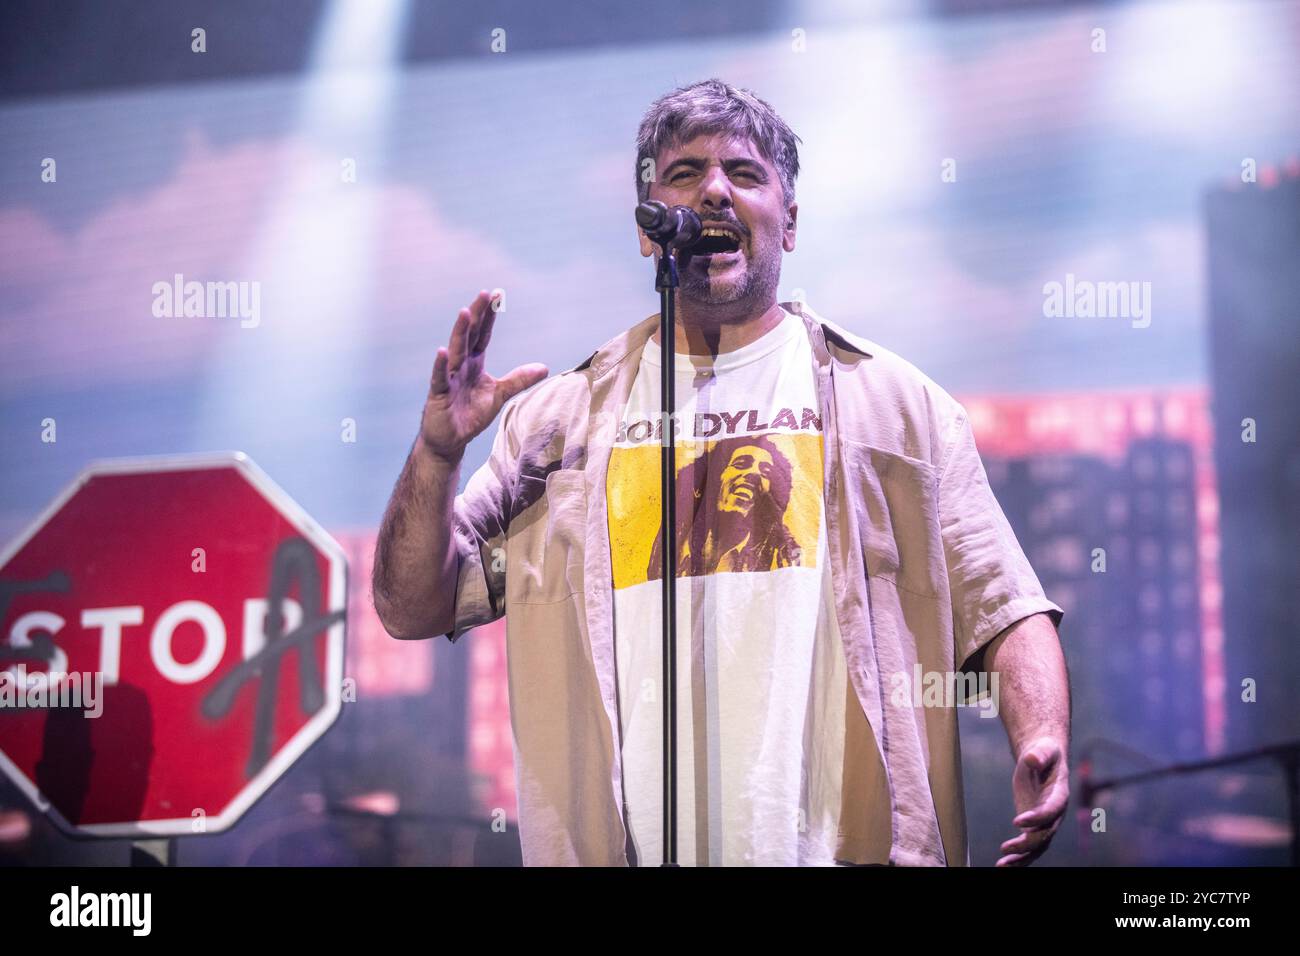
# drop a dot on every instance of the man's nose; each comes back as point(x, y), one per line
point(715, 189)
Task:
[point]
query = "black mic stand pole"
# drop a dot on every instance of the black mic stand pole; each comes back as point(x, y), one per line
point(666, 284)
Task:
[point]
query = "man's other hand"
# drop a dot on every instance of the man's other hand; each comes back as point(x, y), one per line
point(1041, 785)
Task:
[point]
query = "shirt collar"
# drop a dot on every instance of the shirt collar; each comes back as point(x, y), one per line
point(633, 340)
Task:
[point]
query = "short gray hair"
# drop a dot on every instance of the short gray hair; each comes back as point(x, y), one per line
point(714, 106)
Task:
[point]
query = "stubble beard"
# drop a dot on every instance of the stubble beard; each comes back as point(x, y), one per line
point(707, 297)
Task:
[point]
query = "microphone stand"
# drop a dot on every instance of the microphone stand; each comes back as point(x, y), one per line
point(1286, 754)
point(666, 285)
point(670, 229)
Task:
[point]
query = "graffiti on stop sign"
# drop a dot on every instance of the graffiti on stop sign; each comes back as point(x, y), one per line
point(294, 560)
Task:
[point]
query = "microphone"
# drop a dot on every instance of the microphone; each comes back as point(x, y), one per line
point(678, 226)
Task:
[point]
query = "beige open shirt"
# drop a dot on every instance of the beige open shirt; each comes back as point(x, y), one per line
point(925, 569)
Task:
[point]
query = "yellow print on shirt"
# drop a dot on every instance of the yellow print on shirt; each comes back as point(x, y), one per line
point(744, 503)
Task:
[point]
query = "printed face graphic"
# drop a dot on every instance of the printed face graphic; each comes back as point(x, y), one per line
point(744, 503)
point(747, 476)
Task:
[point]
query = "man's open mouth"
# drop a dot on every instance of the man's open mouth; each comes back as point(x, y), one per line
point(714, 241)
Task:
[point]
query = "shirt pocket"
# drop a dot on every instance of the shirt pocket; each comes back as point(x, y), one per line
point(545, 556)
point(894, 503)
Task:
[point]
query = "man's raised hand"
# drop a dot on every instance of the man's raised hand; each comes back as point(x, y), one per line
point(463, 398)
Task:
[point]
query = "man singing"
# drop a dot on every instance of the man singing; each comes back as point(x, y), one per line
point(836, 535)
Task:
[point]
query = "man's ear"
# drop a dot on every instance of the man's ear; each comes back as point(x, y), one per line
point(788, 234)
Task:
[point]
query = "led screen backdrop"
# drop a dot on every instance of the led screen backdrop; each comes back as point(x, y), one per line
point(969, 184)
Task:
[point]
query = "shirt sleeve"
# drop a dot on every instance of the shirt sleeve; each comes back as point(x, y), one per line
point(991, 581)
point(480, 521)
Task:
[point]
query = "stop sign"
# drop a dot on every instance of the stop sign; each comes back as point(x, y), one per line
point(206, 607)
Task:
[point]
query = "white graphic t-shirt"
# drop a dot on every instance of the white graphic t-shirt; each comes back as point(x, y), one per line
point(760, 667)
